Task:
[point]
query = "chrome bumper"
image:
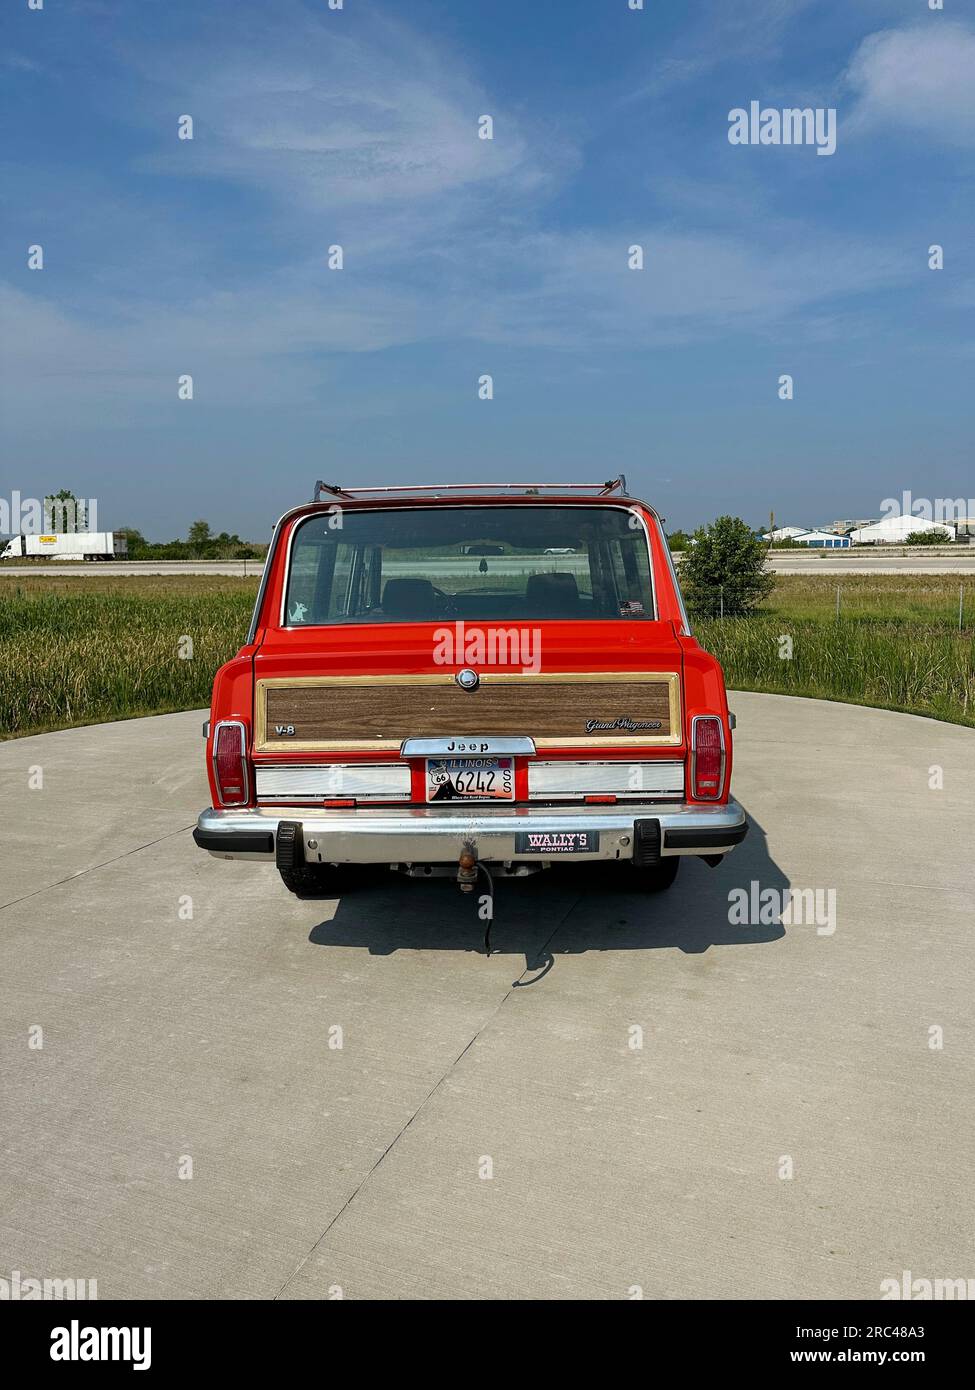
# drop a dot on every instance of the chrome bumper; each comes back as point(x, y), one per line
point(437, 834)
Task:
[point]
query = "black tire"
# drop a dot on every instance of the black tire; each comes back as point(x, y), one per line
point(315, 880)
point(656, 878)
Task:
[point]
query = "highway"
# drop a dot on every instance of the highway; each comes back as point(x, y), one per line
point(781, 562)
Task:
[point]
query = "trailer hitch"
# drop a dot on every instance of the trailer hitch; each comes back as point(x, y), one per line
point(468, 868)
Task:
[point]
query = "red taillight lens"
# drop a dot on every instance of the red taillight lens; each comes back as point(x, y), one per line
point(230, 763)
point(707, 759)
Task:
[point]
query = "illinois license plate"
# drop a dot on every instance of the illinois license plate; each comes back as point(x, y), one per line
point(470, 779)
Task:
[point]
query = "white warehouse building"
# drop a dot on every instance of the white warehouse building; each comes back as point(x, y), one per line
point(804, 535)
point(827, 540)
point(785, 533)
point(894, 530)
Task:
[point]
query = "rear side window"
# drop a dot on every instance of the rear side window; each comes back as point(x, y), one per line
point(469, 563)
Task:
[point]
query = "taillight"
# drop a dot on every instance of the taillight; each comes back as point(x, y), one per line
point(707, 758)
point(230, 762)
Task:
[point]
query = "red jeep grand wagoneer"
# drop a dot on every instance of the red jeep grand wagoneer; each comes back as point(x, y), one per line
point(438, 679)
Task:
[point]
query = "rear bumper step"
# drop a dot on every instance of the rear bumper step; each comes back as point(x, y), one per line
point(707, 838)
point(437, 834)
point(236, 844)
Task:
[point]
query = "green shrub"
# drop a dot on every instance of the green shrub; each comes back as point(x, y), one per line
point(725, 570)
point(938, 537)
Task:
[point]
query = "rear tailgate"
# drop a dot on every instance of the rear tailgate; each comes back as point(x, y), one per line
point(590, 695)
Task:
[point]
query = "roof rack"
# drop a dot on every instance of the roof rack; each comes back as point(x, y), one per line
point(600, 489)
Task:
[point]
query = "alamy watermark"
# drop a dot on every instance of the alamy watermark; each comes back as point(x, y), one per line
point(926, 1290)
point(34, 516)
point(756, 906)
point(78, 1343)
point(948, 509)
point(793, 125)
point(17, 1287)
point(461, 645)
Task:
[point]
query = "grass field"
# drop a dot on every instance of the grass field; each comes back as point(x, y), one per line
point(88, 650)
point(895, 645)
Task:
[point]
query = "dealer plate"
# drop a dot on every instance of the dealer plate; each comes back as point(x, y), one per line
point(556, 842)
point(470, 779)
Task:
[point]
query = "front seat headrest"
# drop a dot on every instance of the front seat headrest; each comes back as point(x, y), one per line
point(409, 598)
point(552, 595)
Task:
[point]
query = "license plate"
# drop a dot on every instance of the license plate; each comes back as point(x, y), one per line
point(556, 842)
point(470, 779)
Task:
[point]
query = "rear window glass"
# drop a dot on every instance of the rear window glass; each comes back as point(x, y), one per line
point(476, 563)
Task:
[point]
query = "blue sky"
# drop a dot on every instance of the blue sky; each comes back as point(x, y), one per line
point(464, 256)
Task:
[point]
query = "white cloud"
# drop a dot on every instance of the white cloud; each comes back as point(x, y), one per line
point(719, 33)
point(921, 79)
point(372, 141)
point(328, 120)
point(578, 292)
point(19, 63)
point(573, 292)
point(263, 345)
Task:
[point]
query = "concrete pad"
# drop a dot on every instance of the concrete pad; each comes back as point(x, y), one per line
point(105, 790)
point(488, 1128)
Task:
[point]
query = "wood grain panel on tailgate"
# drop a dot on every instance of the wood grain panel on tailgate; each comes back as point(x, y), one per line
point(558, 710)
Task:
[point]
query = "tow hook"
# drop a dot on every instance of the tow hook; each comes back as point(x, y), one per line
point(467, 868)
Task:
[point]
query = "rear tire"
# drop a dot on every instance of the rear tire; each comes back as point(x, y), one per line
point(656, 878)
point(315, 880)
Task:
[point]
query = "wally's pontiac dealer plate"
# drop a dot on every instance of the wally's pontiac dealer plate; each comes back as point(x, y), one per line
point(556, 841)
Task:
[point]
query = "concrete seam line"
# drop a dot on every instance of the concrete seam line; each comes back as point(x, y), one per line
point(136, 849)
point(423, 1103)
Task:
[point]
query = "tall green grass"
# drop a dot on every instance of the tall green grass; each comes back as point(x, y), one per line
point(896, 643)
point(919, 670)
point(98, 653)
point(87, 650)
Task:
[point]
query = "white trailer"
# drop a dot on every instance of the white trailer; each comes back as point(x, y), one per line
point(68, 545)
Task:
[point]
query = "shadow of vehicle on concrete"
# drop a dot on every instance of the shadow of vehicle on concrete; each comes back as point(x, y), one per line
point(565, 910)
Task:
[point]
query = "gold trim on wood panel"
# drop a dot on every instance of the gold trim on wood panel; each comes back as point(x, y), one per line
point(675, 737)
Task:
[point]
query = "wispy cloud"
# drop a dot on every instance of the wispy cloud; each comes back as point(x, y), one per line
point(570, 292)
point(17, 62)
point(920, 78)
point(370, 141)
point(463, 255)
point(720, 34)
point(694, 286)
point(333, 121)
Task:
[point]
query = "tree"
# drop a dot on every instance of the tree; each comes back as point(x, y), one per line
point(63, 512)
point(677, 540)
point(199, 533)
point(936, 537)
point(136, 541)
point(725, 570)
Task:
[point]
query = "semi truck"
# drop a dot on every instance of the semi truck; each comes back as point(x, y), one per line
point(68, 545)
